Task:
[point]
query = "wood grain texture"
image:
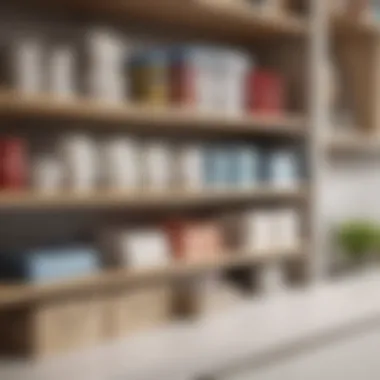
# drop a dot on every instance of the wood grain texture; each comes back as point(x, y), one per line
point(18, 295)
point(154, 118)
point(353, 143)
point(140, 199)
point(349, 27)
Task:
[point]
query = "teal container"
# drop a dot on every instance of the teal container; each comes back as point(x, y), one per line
point(217, 161)
point(245, 168)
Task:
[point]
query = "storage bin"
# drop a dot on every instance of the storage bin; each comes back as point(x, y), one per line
point(135, 248)
point(138, 308)
point(52, 327)
point(206, 295)
point(46, 265)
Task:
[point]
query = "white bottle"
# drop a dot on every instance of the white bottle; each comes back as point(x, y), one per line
point(47, 174)
point(287, 229)
point(27, 62)
point(259, 232)
point(62, 71)
point(190, 168)
point(121, 164)
point(157, 158)
point(79, 158)
point(107, 78)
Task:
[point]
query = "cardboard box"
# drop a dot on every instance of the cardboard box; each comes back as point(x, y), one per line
point(138, 308)
point(52, 327)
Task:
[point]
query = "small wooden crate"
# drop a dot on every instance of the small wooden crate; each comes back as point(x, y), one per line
point(52, 327)
point(138, 308)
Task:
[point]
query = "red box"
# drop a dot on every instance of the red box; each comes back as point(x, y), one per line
point(266, 92)
point(194, 241)
point(182, 90)
point(13, 163)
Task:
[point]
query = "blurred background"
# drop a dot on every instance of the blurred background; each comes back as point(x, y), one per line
point(188, 188)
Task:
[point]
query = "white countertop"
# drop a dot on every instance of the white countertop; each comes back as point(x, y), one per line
point(262, 326)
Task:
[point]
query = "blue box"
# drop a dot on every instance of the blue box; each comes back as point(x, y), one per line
point(48, 264)
point(245, 168)
point(283, 168)
point(217, 161)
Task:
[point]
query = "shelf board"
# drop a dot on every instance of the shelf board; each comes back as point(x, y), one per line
point(18, 295)
point(349, 27)
point(15, 200)
point(152, 118)
point(236, 21)
point(351, 143)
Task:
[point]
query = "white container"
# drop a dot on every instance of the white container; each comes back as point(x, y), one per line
point(121, 164)
point(47, 174)
point(28, 65)
point(190, 168)
point(79, 159)
point(146, 248)
point(228, 71)
point(201, 64)
point(136, 248)
point(107, 78)
point(259, 231)
point(287, 228)
point(62, 71)
point(158, 168)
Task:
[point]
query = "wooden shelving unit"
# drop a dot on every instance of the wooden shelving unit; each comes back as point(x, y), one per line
point(17, 295)
point(353, 144)
point(101, 115)
point(355, 40)
point(107, 199)
point(209, 20)
point(345, 26)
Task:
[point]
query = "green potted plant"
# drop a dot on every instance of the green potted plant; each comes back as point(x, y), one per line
point(359, 239)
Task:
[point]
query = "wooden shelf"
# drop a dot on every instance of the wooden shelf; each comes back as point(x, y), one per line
point(28, 200)
point(353, 144)
point(351, 27)
point(152, 118)
point(202, 18)
point(18, 295)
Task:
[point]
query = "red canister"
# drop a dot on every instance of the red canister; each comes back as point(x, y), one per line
point(266, 92)
point(182, 84)
point(13, 163)
point(195, 241)
point(185, 238)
